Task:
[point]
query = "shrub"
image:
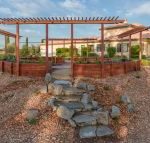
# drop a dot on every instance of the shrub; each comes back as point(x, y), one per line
point(10, 58)
point(143, 57)
point(10, 48)
point(2, 57)
point(85, 51)
point(24, 52)
point(92, 54)
point(111, 51)
point(106, 56)
point(135, 51)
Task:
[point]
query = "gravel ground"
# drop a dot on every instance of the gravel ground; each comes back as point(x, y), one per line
point(19, 94)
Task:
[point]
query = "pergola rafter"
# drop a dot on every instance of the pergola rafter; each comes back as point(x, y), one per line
point(62, 20)
point(6, 33)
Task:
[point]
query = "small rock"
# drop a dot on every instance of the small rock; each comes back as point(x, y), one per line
point(125, 99)
point(84, 119)
point(48, 78)
point(115, 113)
point(58, 90)
point(86, 98)
point(72, 123)
point(32, 114)
point(87, 132)
point(81, 85)
point(95, 104)
point(64, 112)
point(51, 102)
point(104, 131)
point(103, 117)
point(130, 108)
point(43, 90)
point(90, 87)
point(122, 132)
point(50, 87)
point(64, 83)
point(88, 107)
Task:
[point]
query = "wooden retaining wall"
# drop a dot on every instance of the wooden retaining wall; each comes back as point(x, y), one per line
point(105, 70)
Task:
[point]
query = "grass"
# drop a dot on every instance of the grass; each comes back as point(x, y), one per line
point(145, 62)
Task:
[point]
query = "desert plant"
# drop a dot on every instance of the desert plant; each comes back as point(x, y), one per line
point(111, 51)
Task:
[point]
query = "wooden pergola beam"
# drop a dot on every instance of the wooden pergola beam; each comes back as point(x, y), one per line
point(61, 20)
point(6, 33)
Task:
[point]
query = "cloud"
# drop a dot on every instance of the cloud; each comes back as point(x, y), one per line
point(5, 10)
point(73, 4)
point(142, 9)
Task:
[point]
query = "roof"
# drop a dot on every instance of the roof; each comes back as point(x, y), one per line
point(62, 20)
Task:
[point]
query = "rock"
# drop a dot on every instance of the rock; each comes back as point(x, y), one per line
point(115, 113)
point(130, 108)
point(72, 91)
point(50, 87)
point(72, 123)
point(64, 83)
point(90, 87)
point(74, 105)
point(103, 117)
point(84, 119)
point(64, 112)
point(48, 78)
point(86, 98)
point(32, 114)
point(104, 131)
point(51, 102)
point(87, 132)
point(81, 85)
point(58, 90)
point(43, 90)
point(69, 98)
point(88, 107)
point(95, 104)
point(125, 99)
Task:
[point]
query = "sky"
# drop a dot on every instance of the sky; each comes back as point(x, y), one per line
point(135, 11)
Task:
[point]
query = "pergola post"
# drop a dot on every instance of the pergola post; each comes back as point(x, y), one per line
point(102, 43)
point(52, 50)
point(141, 46)
point(47, 63)
point(5, 44)
point(17, 50)
point(72, 51)
point(129, 46)
point(121, 48)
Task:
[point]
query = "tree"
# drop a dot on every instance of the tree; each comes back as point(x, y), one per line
point(7, 41)
point(111, 51)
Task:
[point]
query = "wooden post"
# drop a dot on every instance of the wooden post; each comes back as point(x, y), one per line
point(129, 47)
point(121, 48)
point(52, 50)
point(17, 50)
point(87, 49)
point(72, 50)
point(5, 44)
point(141, 46)
point(47, 63)
point(102, 42)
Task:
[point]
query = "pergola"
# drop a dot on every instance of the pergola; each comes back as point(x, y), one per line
point(59, 20)
point(130, 33)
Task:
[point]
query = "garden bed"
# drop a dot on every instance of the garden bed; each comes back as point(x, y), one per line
point(105, 70)
point(26, 69)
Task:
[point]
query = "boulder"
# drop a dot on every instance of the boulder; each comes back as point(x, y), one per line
point(95, 104)
point(43, 90)
point(50, 87)
point(115, 113)
point(64, 83)
point(64, 112)
point(81, 85)
point(88, 107)
point(57, 90)
point(51, 103)
point(103, 117)
point(125, 99)
point(90, 87)
point(86, 98)
point(72, 91)
point(69, 98)
point(104, 131)
point(32, 114)
point(84, 119)
point(87, 132)
point(72, 123)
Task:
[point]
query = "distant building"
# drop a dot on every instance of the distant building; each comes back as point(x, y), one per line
point(111, 40)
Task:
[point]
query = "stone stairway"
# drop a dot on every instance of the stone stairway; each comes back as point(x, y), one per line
point(75, 104)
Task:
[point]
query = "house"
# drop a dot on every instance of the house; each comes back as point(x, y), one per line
point(111, 40)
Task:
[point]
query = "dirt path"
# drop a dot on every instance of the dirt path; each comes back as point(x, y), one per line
point(51, 129)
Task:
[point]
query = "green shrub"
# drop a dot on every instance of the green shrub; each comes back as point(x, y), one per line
point(111, 51)
point(143, 57)
point(10, 48)
point(135, 51)
point(24, 52)
point(85, 51)
point(106, 56)
point(92, 54)
point(10, 58)
point(2, 57)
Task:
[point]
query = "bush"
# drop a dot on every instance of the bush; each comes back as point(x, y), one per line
point(143, 57)
point(111, 51)
point(106, 56)
point(92, 54)
point(135, 51)
point(10, 48)
point(24, 52)
point(85, 51)
point(2, 57)
point(10, 58)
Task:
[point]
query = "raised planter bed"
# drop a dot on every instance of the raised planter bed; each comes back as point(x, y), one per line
point(1, 66)
point(105, 70)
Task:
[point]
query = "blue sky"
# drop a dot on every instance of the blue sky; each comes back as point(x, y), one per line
point(136, 11)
